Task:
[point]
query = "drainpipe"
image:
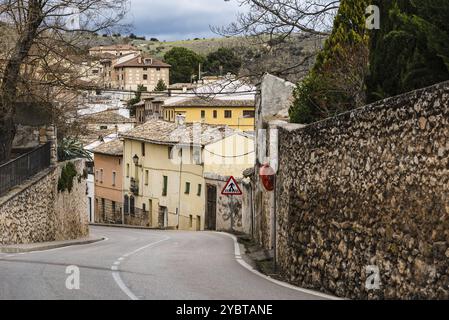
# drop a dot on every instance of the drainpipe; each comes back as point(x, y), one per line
point(180, 190)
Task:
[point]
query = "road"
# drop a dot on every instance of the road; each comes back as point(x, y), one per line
point(140, 264)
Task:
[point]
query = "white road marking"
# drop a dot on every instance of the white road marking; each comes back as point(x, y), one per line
point(116, 272)
point(238, 257)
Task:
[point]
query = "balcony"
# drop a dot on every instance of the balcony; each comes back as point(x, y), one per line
point(134, 187)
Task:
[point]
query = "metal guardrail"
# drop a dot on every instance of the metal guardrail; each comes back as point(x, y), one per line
point(17, 171)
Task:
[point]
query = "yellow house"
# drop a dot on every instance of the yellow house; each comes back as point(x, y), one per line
point(236, 114)
point(164, 166)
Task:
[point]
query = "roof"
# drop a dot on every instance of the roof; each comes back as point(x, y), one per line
point(114, 47)
point(138, 62)
point(169, 133)
point(198, 102)
point(106, 116)
point(180, 86)
point(112, 148)
point(139, 104)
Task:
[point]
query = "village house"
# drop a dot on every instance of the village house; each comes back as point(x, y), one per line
point(237, 114)
point(149, 108)
point(164, 167)
point(107, 121)
point(141, 71)
point(114, 50)
point(108, 168)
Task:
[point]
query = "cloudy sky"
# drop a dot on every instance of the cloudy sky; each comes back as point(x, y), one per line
point(180, 19)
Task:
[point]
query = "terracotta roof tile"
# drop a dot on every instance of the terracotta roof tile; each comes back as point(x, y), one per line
point(198, 102)
point(113, 148)
point(106, 116)
point(169, 133)
point(138, 62)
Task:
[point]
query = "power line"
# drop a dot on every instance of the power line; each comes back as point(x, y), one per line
point(228, 157)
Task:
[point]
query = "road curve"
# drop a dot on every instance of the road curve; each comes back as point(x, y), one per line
point(140, 264)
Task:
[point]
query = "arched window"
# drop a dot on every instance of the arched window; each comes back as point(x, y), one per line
point(132, 209)
point(126, 205)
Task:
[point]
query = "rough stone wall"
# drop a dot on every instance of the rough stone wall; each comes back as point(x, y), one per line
point(140, 218)
point(36, 212)
point(369, 188)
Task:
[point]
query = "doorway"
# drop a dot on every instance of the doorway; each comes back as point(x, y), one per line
point(211, 208)
point(163, 217)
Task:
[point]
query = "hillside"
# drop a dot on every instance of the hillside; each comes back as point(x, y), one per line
point(257, 58)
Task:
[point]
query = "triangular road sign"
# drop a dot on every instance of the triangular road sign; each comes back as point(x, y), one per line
point(231, 188)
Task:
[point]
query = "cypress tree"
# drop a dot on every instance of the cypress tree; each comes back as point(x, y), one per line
point(411, 49)
point(331, 86)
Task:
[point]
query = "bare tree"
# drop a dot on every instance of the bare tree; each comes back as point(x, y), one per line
point(279, 28)
point(41, 39)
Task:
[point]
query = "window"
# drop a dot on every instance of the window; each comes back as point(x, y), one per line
point(143, 149)
point(147, 177)
point(90, 167)
point(101, 175)
point(103, 206)
point(158, 69)
point(164, 190)
point(249, 114)
point(113, 207)
point(197, 155)
point(126, 204)
point(145, 77)
point(200, 187)
point(187, 188)
point(215, 114)
point(170, 153)
point(96, 176)
point(228, 114)
point(144, 207)
point(191, 221)
point(132, 208)
point(145, 69)
point(103, 127)
point(203, 114)
point(127, 170)
point(114, 176)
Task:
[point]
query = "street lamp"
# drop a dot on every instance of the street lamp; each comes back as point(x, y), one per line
point(136, 160)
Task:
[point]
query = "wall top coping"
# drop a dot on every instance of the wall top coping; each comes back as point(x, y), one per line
point(26, 185)
point(342, 117)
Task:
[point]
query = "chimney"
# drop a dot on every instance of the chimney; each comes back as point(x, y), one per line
point(180, 120)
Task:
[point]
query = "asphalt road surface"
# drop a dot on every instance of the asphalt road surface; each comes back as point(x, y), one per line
point(139, 264)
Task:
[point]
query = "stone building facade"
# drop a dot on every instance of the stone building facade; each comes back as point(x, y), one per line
point(365, 196)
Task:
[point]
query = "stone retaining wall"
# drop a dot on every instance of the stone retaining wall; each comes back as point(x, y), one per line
point(369, 190)
point(37, 212)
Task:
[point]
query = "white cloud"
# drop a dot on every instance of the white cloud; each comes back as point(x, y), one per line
point(180, 19)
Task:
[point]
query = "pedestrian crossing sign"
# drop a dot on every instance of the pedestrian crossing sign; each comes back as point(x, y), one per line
point(232, 188)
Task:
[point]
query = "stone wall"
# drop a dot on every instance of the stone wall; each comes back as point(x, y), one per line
point(369, 188)
point(37, 212)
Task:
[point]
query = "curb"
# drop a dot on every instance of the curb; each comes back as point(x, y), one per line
point(246, 265)
point(125, 226)
point(25, 248)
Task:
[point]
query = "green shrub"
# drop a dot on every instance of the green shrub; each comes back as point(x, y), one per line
point(68, 173)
